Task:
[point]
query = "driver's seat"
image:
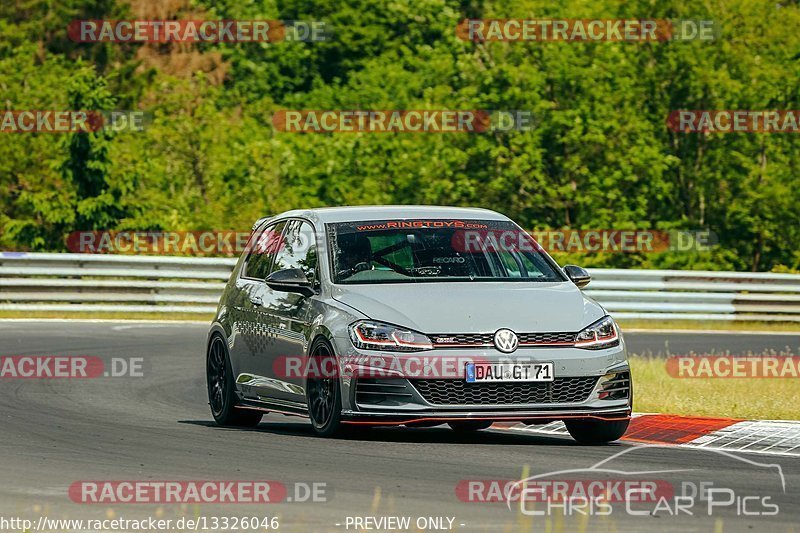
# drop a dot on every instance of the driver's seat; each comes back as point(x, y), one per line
point(354, 248)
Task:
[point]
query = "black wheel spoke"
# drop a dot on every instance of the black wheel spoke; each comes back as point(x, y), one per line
point(321, 393)
point(217, 376)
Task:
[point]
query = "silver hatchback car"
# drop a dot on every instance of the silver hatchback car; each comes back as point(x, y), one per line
point(416, 316)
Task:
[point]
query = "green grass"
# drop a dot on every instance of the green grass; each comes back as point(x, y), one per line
point(655, 391)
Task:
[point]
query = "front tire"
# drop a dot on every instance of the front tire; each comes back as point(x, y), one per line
point(591, 431)
point(324, 394)
point(221, 393)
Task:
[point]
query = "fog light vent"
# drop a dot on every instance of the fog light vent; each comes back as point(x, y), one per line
point(616, 386)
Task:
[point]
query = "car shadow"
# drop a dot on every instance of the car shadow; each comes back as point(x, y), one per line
point(399, 434)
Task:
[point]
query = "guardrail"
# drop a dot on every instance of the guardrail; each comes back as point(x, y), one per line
point(111, 283)
point(697, 295)
point(120, 283)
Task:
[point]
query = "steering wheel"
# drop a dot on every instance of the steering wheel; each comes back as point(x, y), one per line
point(358, 267)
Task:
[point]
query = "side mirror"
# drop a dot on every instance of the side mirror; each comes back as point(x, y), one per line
point(578, 275)
point(290, 280)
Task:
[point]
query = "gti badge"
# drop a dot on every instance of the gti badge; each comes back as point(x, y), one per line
point(506, 340)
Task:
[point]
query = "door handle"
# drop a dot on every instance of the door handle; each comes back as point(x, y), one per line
point(256, 300)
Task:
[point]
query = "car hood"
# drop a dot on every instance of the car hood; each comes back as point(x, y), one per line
point(474, 307)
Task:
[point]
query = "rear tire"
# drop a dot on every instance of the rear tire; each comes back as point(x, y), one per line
point(467, 426)
point(324, 394)
point(221, 392)
point(591, 431)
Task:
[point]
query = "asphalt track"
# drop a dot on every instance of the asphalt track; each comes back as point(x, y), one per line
point(157, 427)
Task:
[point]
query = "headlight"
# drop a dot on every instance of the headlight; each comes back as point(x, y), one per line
point(369, 335)
point(601, 334)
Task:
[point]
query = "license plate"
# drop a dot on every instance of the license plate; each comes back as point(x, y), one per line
point(502, 372)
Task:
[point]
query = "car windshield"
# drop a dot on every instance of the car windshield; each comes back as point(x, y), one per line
point(398, 251)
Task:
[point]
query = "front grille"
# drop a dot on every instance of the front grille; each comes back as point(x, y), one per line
point(456, 340)
point(564, 337)
point(457, 392)
point(442, 340)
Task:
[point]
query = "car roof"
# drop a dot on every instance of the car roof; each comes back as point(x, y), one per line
point(391, 212)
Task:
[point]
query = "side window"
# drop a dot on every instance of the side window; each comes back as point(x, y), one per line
point(512, 268)
point(530, 261)
point(298, 249)
point(264, 247)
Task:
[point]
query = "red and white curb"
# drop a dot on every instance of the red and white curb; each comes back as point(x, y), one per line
point(770, 437)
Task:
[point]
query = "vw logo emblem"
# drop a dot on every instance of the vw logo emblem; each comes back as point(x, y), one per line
point(506, 340)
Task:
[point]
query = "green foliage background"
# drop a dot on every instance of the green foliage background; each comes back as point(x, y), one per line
point(600, 156)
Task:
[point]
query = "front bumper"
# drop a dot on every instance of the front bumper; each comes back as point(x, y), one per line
point(580, 389)
point(529, 417)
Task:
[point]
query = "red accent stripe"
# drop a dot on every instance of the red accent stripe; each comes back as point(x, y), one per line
point(457, 345)
point(673, 429)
